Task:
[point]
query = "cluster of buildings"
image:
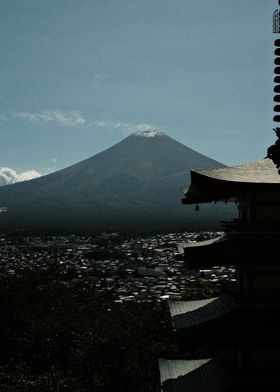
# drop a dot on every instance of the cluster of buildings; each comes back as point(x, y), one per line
point(132, 269)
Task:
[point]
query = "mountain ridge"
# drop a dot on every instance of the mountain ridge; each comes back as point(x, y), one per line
point(136, 178)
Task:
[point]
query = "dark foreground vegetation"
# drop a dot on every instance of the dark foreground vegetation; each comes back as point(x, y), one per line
point(57, 333)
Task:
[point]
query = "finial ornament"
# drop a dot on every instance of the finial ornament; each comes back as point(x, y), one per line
point(276, 20)
point(273, 152)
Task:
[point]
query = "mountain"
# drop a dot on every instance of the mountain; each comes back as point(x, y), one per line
point(136, 185)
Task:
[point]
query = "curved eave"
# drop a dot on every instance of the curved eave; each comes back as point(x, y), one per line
point(179, 375)
point(233, 249)
point(221, 185)
point(190, 313)
point(204, 189)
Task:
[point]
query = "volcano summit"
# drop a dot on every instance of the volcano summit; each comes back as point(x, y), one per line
point(133, 186)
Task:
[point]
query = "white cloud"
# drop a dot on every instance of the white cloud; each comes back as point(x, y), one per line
point(10, 176)
point(124, 127)
point(75, 118)
point(69, 119)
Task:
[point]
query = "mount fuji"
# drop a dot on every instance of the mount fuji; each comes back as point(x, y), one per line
point(134, 186)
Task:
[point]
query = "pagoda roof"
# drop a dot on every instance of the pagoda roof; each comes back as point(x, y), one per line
point(225, 183)
point(261, 171)
point(179, 375)
point(189, 313)
point(233, 249)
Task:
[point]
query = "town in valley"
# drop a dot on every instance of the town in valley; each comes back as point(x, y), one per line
point(133, 269)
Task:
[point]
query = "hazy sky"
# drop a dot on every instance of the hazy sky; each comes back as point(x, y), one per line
point(78, 76)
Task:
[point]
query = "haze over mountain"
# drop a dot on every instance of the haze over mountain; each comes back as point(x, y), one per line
point(136, 185)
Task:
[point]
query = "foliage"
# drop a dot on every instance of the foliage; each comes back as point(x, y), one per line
point(205, 289)
point(58, 333)
point(202, 290)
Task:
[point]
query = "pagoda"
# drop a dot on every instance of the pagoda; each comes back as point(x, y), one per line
point(232, 342)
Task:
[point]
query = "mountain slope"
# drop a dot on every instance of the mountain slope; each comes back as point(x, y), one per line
point(135, 185)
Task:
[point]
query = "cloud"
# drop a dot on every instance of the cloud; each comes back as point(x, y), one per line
point(124, 127)
point(10, 176)
point(68, 119)
point(74, 118)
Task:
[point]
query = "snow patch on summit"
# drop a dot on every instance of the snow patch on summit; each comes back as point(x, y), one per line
point(149, 133)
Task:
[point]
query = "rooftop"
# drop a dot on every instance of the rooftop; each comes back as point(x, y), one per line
point(188, 313)
point(225, 184)
point(193, 375)
point(262, 171)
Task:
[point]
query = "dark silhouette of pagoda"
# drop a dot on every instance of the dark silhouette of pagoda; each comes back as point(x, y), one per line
point(232, 342)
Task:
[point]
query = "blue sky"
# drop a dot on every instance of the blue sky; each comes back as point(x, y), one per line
point(78, 76)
